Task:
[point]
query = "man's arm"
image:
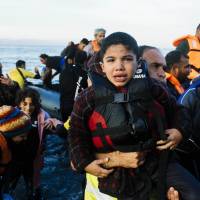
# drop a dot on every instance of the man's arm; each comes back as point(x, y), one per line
point(176, 115)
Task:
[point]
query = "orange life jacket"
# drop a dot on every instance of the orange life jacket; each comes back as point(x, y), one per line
point(174, 81)
point(194, 52)
point(95, 46)
point(5, 154)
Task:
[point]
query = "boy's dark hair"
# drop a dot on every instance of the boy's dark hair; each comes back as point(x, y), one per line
point(33, 94)
point(85, 41)
point(144, 48)
point(44, 56)
point(173, 57)
point(19, 63)
point(119, 38)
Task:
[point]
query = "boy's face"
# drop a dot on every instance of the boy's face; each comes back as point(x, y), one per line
point(156, 63)
point(119, 64)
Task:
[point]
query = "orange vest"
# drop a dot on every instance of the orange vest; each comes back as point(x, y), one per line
point(95, 46)
point(174, 81)
point(194, 52)
point(6, 154)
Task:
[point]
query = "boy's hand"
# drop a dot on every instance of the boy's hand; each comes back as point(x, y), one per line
point(96, 169)
point(172, 141)
point(172, 194)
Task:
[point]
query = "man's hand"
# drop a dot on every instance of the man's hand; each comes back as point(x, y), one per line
point(95, 168)
point(174, 138)
point(120, 159)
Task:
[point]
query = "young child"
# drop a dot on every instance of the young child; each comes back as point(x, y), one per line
point(14, 128)
point(120, 122)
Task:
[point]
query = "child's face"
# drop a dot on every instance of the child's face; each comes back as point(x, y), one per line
point(119, 64)
point(27, 106)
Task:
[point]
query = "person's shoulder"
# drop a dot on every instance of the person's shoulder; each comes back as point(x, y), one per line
point(189, 95)
point(155, 82)
point(84, 103)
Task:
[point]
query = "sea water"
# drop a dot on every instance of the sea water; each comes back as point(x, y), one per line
point(9, 54)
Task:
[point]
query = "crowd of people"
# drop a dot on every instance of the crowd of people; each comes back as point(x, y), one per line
point(129, 114)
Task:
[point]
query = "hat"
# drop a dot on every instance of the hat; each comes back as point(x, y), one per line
point(13, 122)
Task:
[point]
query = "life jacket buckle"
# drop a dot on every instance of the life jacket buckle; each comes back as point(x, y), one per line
point(121, 98)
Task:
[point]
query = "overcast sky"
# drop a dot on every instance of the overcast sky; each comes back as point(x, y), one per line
point(155, 22)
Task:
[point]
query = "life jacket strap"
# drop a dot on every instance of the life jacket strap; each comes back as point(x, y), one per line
point(121, 98)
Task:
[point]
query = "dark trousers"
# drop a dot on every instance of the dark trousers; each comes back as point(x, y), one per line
point(179, 178)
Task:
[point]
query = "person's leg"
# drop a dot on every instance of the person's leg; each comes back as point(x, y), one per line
point(10, 178)
point(186, 184)
point(28, 179)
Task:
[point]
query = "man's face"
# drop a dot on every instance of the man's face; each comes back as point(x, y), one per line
point(43, 61)
point(156, 62)
point(81, 46)
point(99, 37)
point(184, 68)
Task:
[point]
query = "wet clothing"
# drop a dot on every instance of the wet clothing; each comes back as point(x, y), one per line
point(81, 143)
point(15, 75)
